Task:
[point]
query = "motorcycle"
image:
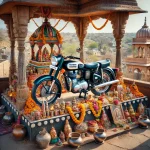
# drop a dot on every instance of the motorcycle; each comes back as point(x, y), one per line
point(96, 77)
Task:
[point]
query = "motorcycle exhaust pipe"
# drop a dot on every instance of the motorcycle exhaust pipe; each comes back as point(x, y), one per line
point(106, 84)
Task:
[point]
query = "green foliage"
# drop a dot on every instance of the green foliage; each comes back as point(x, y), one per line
point(91, 58)
point(70, 49)
point(87, 42)
point(106, 47)
point(93, 45)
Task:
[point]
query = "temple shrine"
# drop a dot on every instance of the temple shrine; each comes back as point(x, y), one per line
point(40, 59)
point(138, 66)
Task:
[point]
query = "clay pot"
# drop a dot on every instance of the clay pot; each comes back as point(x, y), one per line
point(43, 139)
point(2, 111)
point(19, 132)
point(144, 119)
point(8, 118)
point(100, 136)
point(75, 139)
point(67, 129)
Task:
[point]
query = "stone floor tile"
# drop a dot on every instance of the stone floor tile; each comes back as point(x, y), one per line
point(105, 146)
point(124, 141)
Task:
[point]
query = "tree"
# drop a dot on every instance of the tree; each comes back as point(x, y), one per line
point(70, 49)
point(93, 45)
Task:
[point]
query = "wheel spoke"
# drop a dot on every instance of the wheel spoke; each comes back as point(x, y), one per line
point(44, 87)
point(42, 92)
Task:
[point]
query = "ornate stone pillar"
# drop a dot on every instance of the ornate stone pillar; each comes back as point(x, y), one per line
point(13, 69)
point(81, 25)
point(9, 25)
point(119, 20)
point(149, 51)
point(20, 23)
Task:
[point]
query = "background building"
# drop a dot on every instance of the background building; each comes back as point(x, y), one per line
point(4, 68)
point(138, 65)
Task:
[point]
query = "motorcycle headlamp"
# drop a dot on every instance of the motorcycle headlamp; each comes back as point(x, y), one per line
point(54, 61)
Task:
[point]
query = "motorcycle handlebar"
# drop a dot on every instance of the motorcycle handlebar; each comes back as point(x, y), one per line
point(71, 57)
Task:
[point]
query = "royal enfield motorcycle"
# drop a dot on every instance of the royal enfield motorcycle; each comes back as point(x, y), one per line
point(96, 77)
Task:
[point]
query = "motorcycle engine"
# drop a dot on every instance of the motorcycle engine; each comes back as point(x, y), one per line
point(76, 84)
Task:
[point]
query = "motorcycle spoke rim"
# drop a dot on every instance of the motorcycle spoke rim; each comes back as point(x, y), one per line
point(44, 87)
point(42, 92)
point(106, 78)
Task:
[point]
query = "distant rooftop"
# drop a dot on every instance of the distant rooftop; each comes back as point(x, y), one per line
point(144, 32)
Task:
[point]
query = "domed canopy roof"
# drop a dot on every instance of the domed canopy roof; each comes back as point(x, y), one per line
point(144, 32)
point(46, 34)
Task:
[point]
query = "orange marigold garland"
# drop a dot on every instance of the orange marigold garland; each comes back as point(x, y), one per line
point(83, 112)
point(134, 90)
point(56, 23)
point(100, 28)
point(31, 106)
point(98, 113)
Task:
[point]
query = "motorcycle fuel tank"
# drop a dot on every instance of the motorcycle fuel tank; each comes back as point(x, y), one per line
point(73, 65)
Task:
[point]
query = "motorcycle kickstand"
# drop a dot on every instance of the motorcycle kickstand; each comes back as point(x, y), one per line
point(85, 93)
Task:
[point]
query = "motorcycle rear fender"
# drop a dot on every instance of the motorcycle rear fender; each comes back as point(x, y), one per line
point(48, 77)
point(110, 70)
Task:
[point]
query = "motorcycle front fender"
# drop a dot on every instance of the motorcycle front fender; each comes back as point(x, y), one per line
point(50, 78)
point(110, 70)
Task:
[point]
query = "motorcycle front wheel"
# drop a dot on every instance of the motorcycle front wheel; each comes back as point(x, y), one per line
point(40, 91)
point(106, 78)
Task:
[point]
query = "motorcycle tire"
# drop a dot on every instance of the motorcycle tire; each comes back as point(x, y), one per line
point(53, 99)
point(107, 88)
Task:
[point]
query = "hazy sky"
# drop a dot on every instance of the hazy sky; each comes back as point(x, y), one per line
point(134, 23)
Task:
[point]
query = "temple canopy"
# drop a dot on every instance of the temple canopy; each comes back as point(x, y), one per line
point(46, 34)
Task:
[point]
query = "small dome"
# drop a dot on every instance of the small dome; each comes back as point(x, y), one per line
point(46, 34)
point(144, 32)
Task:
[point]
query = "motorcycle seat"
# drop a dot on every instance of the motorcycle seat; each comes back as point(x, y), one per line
point(104, 63)
point(93, 65)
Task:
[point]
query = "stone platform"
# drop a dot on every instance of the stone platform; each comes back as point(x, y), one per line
point(33, 127)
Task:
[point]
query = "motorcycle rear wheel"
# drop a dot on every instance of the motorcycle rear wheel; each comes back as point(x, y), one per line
point(106, 78)
point(40, 91)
